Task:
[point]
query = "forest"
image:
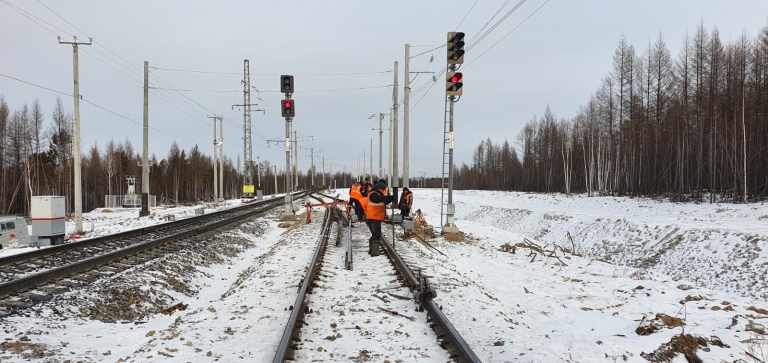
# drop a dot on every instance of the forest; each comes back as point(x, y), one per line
point(690, 127)
point(38, 160)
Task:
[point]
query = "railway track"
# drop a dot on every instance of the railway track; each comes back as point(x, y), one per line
point(32, 276)
point(377, 296)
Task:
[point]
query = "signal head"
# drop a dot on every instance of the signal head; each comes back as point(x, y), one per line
point(288, 108)
point(454, 83)
point(286, 84)
point(455, 48)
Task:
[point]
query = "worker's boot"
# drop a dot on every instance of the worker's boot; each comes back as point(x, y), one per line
point(370, 244)
point(373, 247)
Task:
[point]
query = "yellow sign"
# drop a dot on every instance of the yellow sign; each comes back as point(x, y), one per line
point(248, 189)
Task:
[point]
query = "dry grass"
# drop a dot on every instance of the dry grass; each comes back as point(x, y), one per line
point(684, 344)
point(424, 233)
point(24, 349)
point(454, 237)
point(659, 322)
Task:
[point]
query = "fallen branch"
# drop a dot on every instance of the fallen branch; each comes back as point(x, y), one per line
point(536, 250)
point(401, 297)
point(396, 313)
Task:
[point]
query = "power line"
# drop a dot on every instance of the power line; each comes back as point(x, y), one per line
point(517, 6)
point(278, 92)
point(136, 122)
point(495, 25)
point(465, 15)
point(94, 104)
point(510, 32)
point(194, 90)
point(36, 85)
point(271, 74)
point(30, 16)
point(62, 18)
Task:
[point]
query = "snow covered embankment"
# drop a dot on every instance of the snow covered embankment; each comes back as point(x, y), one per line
point(721, 246)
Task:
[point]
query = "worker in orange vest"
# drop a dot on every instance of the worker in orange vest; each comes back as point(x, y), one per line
point(366, 188)
point(406, 202)
point(375, 213)
point(384, 191)
point(354, 200)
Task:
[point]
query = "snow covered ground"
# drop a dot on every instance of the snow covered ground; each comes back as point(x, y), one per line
point(637, 280)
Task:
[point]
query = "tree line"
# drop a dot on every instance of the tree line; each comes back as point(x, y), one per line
point(36, 158)
point(690, 127)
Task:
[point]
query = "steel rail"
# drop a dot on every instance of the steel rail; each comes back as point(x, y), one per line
point(296, 319)
point(40, 278)
point(22, 257)
point(462, 352)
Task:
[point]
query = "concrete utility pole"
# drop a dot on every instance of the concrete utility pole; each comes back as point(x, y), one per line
point(406, 112)
point(215, 163)
point(258, 171)
point(145, 154)
point(381, 133)
point(76, 96)
point(312, 165)
point(406, 115)
point(324, 185)
point(275, 179)
point(221, 158)
point(370, 166)
point(390, 161)
point(395, 172)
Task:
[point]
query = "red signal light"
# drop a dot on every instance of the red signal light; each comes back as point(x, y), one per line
point(456, 77)
point(288, 108)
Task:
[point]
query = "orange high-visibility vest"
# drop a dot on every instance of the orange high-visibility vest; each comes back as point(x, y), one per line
point(364, 204)
point(408, 199)
point(354, 191)
point(375, 211)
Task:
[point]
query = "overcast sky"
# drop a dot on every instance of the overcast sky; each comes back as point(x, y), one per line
point(342, 54)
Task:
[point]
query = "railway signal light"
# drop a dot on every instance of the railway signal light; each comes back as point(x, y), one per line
point(288, 108)
point(286, 84)
point(455, 49)
point(454, 83)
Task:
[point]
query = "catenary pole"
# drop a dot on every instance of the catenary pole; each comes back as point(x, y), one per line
point(381, 133)
point(221, 158)
point(395, 171)
point(145, 152)
point(215, 163)
point(312, 166)
point(370, 166)
point(406, 114)
point(389, 150)
point(76, 96)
